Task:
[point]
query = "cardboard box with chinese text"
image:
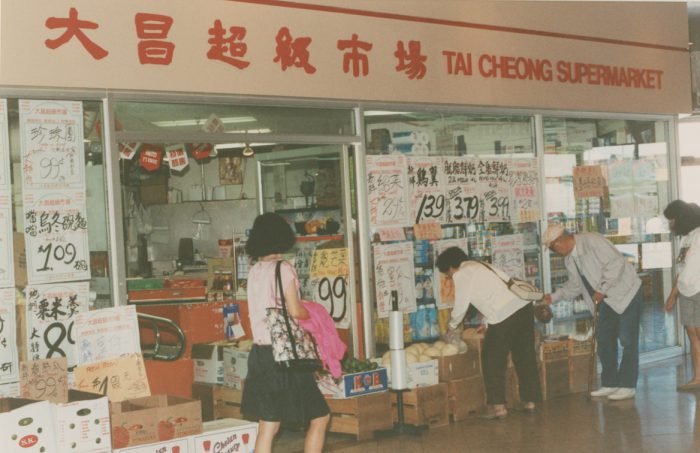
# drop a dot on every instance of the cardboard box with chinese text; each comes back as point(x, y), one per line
point(154, 418)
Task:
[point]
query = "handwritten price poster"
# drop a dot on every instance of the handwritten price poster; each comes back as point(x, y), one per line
point(51, 312)
point(120, 379)
point(426, 189)
point(508, 254)
point(52, 145)
point(107, 333)
point(393, 270)
point(56, 237)
point(8, 337)
point(416, 190)
point(387, 191)
point(45, 380)
point(329, 262)
point(7, 278)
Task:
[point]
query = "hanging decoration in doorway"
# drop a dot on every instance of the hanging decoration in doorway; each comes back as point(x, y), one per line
point(201, 151)
point(150, 157)
point(128, 150)
point(177, 157)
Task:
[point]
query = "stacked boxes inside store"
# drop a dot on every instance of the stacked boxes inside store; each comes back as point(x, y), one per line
point(104, 396)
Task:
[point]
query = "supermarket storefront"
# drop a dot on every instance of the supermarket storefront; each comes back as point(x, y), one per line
point(579, 99)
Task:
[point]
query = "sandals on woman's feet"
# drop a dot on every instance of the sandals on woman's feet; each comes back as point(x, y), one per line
point(492, 414)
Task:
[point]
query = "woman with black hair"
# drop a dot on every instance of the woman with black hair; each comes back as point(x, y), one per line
point(271, 393)
point(684, 220)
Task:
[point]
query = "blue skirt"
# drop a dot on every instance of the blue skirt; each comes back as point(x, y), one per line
point(273, 394)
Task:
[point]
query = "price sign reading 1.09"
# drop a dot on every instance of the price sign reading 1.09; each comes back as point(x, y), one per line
point(55, 231)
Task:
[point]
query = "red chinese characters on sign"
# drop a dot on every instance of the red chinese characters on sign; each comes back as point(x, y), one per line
point(74, 28)
point(354, 56)
point(411, 61)
point(293, 52)
point(128, 150)
point(229, 49)
point(152, 29)
point(150, 157)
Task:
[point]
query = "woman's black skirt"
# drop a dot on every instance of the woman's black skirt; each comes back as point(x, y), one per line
point(276, 395)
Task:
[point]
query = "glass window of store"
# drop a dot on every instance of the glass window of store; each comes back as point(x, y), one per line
point(476, 178)
point(65, 252)
point(611, 176)
point(188, 214)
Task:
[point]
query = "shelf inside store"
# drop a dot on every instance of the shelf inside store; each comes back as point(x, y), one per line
point(332, 237)
point(574, 317)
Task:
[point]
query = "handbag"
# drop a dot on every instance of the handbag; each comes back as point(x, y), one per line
point(521, 288)
point(293, 348)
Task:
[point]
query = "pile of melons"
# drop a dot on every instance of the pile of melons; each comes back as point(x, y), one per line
point(422, 352)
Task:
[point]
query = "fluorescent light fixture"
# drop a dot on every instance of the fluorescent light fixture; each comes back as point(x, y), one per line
point(383, 113)
point(226, 146)
point(251, 131)
point(225, 120)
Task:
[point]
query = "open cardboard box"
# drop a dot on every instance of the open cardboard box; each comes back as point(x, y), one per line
point(82, 424)
point(154, 418)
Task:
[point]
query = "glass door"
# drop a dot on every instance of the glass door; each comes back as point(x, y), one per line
point(307, 186)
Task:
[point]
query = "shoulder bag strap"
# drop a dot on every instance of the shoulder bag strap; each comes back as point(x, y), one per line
point(290, 334)
point(507, 282)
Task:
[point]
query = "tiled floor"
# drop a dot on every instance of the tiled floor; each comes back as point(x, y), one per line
point(659, 420)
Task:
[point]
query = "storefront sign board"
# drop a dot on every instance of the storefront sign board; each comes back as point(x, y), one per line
point(530, 54)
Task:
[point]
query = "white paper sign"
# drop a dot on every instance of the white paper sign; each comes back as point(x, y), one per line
point(10, 390)
point(657, 255)
point(461, 189)
point(7, 279)
point(394, 270)
point(508, 254)
point(53, 156)
point(51, 312)
point(525, 179)
point(4, 149)
point(176, 157)
point(332, 293)
point(56, 237)
point(9, 363)
point(426, 179)
point(106, 334)
point(387, 191)
point(7, 269)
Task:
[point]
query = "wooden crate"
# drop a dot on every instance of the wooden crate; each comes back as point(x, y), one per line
point(580, 348)
point(465, 396)
point(425, 406)
point(218, 401)
point(579, 368)
point(554, 350)
point(555, 378)
point(361, 415)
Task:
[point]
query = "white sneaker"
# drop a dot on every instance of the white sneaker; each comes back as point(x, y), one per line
point(604, 391)
point(622, 393)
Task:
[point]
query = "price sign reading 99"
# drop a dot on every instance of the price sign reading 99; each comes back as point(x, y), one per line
point(56, 242)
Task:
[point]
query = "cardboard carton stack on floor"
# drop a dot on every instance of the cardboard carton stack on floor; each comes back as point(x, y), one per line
point(220, 372)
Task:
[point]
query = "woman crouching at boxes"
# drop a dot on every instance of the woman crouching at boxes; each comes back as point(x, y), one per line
point(510, 329)
point(270, 393)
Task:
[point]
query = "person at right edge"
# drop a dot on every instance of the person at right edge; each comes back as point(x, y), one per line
point(684, 220)
point(608, 282)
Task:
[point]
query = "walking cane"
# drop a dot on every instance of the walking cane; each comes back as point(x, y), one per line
point(591, 361)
